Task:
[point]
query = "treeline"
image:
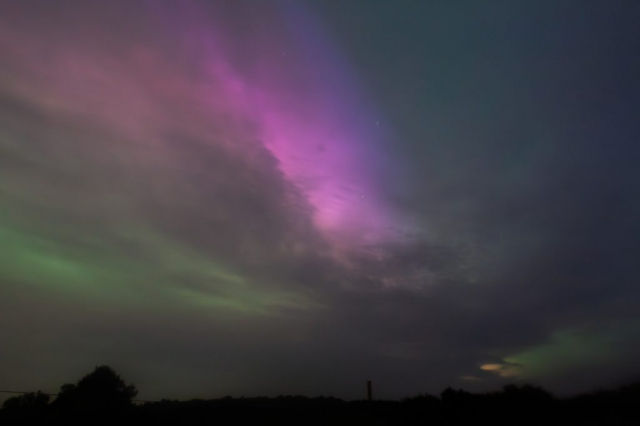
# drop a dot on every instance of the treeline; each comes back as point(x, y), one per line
point(103, 397)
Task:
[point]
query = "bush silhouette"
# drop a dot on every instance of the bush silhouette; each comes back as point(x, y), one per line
point(31, 402)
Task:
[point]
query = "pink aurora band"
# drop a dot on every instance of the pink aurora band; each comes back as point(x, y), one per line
point(301, 100)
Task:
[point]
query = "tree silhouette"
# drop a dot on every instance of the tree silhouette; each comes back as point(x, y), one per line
point(100, 391)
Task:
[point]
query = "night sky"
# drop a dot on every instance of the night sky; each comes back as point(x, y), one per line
point(293, 197)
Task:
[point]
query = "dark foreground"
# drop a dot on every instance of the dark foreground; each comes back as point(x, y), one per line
point(458, 408)
point(103, 398)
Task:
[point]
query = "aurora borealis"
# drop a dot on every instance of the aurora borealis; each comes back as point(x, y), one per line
point(294, 197)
